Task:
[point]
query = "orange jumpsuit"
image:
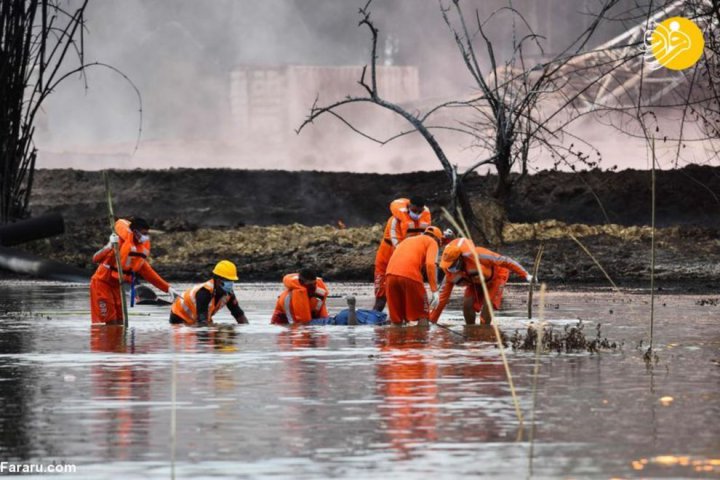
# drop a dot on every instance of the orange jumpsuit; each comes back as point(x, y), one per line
point(105, 302)
point(300, 303)
point(495, 268)
point(405, 289)
point(398, 227)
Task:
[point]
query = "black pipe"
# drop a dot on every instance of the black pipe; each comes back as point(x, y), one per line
point(22, 262)
point(31, 229)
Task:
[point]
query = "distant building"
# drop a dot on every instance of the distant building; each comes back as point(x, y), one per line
point(270, 102)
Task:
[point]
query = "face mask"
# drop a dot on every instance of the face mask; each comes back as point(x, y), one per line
point(454, 268)
point(227, 286)
point(414, 216)
point(143, 238)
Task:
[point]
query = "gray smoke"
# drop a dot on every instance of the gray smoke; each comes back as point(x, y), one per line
point(181, 54)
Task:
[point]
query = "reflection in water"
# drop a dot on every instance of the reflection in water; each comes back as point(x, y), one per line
point(303, 388)
point(121, 426)
point(16, 393)
point(219, 338)
point(677, 464)
point(490, 416)
point(111, 339)
point(479, 333)
point(296, 337)
point(407, 383)
point(318, 402)
point(427, 398)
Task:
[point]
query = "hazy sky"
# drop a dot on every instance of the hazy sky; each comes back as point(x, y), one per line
point(180, 54)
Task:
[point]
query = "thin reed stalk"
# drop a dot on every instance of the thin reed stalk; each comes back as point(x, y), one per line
point(445, 327)
point(615, 287)
point(652, 249)
point(81, 312)
point(631, 306)
point(465, 232)
point(173, 412)
point(538, 346)
point(536, 267)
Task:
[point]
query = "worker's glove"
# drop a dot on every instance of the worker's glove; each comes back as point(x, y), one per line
point(434, 300)
point(173, 293)
point(114, 239)
point(530, 279)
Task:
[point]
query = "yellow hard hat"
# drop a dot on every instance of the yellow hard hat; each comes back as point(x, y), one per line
point(226, 269)
point(450, 255)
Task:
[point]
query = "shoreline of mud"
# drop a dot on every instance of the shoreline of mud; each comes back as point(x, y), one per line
point(229, 198)
point(687, 260)
point(274, 222)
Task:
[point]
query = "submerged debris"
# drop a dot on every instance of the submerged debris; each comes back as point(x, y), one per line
point(649, 356)
point(571, 339)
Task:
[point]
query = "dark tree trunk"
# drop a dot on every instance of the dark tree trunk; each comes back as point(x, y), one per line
point(503, 165)
point(35, 36)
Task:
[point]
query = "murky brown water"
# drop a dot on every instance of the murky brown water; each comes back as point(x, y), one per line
point(262, 401)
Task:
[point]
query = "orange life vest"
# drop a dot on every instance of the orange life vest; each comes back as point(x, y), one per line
point(401, 225)
point(132, 255)
point(488, 261)
point(297, 305)
point(185, 305)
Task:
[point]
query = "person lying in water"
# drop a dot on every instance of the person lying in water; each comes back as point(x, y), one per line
point(304, 299)
point(198, 304)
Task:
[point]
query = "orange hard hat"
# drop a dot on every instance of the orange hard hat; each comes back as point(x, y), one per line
point(435, 232)
point(450, 255)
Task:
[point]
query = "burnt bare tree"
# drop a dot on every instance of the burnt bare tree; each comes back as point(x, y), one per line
point(369, 83)
point(668, 110)
point(524, 107)
point(41, 45)
point(36, 36)
point(520, 106)
point(707, 14)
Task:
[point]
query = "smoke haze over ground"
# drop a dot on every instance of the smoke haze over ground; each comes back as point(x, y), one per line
point(186, 58)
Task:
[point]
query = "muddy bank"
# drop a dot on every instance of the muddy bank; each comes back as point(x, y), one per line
point(271, 223)
point(189, 199)
point(687, 258)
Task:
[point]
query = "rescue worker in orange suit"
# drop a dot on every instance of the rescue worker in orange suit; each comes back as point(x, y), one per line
point(133, 240)
point(407, 301)
point(409, 218)
point(304, 299)
point(458, 264)
point(198, 304)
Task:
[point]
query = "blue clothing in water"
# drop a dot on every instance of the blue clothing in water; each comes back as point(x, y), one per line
point(364, 317)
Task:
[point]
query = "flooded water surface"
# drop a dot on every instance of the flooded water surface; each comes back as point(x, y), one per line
point(262, 401)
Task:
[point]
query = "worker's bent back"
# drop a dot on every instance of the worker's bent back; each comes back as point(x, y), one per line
point(411, 256)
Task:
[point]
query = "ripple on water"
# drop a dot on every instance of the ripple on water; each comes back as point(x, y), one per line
point(261, 401)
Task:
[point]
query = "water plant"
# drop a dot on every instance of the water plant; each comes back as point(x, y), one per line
point(571, 339)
